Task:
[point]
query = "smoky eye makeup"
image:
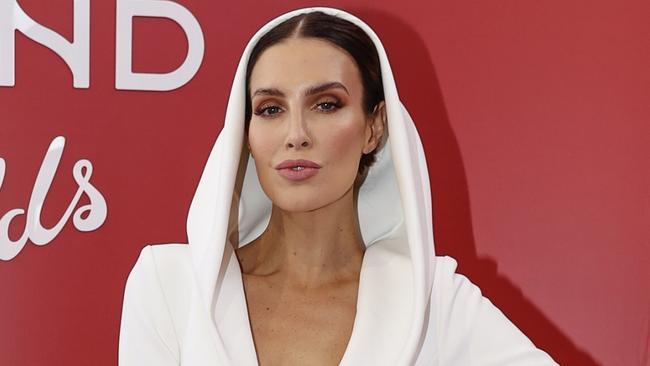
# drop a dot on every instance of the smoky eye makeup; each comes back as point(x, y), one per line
point(331, 104)
point(327, 101)
point(267, 105)
point(323, 104)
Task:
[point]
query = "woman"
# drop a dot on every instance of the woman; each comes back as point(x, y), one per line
point(310, 233)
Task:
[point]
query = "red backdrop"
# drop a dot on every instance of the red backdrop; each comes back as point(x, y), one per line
point(535, 119)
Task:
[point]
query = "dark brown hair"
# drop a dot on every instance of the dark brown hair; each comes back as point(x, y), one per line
point(341, 33)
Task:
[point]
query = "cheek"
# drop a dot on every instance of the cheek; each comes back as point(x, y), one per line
point(262, 143)
point(345, 143)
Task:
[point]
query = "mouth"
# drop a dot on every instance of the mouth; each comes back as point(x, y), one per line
point(297, 170)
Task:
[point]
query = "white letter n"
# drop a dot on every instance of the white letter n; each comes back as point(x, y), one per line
point(75, 54)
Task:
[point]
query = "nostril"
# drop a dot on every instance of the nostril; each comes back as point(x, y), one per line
point(305, 143)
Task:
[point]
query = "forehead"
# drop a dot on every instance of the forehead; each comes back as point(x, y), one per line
point(295, 64)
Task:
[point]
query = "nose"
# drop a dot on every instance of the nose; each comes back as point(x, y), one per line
point(298, 135)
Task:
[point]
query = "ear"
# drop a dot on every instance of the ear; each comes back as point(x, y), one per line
point(375, 128)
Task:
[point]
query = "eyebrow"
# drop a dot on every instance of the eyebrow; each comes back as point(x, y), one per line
point(315, 89)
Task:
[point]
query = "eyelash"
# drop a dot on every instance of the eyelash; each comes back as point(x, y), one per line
point(335, 103)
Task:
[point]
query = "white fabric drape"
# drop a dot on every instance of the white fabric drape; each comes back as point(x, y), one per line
point(185, 305)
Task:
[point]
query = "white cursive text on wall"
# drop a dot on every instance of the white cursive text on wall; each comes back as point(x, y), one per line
point(34, 231)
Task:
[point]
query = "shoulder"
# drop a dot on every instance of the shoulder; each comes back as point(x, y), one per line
point(171, 258)
point(451, 288)
point(447, 281)
point(454, 298)
point(148, 334)
point(158, 290)
point(166, 268)
point(162, 264)
point(445, 266)
point(470, 329)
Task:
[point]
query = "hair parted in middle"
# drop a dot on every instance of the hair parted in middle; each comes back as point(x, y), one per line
point(341, 33)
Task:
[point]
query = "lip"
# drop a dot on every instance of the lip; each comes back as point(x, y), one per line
point(294, 163)
point(308, 170)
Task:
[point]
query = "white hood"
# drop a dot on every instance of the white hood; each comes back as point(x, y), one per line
point(395, 214)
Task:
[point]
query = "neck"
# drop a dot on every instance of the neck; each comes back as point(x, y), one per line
point(311, 248)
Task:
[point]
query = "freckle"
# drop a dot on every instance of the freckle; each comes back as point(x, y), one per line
point(294, 253)
point(267, 308)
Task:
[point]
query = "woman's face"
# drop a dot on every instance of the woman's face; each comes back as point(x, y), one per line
point(306, 98)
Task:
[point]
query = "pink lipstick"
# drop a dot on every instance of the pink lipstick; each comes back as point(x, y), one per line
point(297, 170)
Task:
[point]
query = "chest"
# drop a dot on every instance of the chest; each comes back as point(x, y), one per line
point(300, 326)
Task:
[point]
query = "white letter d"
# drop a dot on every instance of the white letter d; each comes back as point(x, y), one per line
point(125, 78)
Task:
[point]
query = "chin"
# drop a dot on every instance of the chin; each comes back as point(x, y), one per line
point(307, 196)
point(306, 199)
point(290, 202)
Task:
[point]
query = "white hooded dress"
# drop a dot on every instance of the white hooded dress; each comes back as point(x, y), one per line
point(185, 304)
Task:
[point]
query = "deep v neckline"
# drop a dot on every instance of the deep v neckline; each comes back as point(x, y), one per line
point(383, 309)
point(353, 333)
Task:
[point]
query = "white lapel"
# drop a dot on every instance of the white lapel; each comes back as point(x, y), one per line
point(384, 306)
point(226, 340)
point(231, 315)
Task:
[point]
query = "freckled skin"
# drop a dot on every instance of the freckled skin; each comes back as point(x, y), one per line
point(301, 276)
point(295, 325)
